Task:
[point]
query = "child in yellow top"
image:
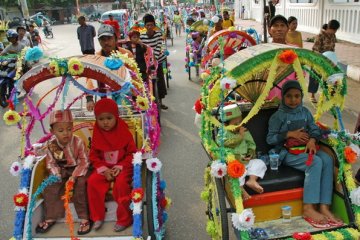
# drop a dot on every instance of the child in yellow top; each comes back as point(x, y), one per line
point(227, 22)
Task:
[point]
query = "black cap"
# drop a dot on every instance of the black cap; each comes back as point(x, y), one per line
point(277, 18)
point(289, 85)
point(148, 18)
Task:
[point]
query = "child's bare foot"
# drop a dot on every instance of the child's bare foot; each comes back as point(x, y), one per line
point(254, 185)
point(324, 210)
point(310, 212)
point(245, 196)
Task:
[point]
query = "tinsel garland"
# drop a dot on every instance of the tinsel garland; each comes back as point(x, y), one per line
point(69, 186)
point(48, 181)
point(137, 184)
point(339, 234)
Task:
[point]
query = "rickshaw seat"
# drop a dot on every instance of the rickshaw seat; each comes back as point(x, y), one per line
point(286, 177)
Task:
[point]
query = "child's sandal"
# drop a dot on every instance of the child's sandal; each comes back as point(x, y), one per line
point(44, 227)
point(86, 225)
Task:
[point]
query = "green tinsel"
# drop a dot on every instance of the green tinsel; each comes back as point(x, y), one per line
point(345, 233)
point(8, 56)
point(211, 229)
point(205, 195)
point(235, 188)
point(329, 236)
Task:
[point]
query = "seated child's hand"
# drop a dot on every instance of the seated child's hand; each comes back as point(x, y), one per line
point(108, 175)
point(311, 146)
point(242, 130)
point(299, 134)
point(116, 170)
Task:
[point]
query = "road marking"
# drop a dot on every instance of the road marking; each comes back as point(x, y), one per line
point(188, 135)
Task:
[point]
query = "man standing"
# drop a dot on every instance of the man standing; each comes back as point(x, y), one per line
point(154, 39)
point(86, 34)
point(278, 28)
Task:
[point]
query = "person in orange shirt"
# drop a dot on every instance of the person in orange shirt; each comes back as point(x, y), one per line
point(107, 40)
point(114, 23)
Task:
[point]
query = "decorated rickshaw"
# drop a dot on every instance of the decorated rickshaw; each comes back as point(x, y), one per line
point(247, 79)
point(137, 108)
point(202, 27)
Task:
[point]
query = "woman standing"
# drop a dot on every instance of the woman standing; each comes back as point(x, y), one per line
point(293, 37)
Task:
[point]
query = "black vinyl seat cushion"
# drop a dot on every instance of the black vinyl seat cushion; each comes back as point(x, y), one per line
point(283, 179)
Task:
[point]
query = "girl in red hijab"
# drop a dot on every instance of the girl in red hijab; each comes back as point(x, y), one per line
point(111, 155)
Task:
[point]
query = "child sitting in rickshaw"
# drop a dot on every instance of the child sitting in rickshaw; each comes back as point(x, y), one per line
point(242, 145)
point(66, 157)
point(290, 128)
point(111, 155)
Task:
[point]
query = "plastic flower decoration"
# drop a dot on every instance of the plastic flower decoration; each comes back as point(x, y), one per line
point(75, 67)
point(153, 164)
point(243, 221)
point(288, 56)
point(15, 169)
point(302, 236)
point(11, 117)
point(137, 195)
point(29, 162)
point(227, 83)
point(54, 68)
point(33, 54)
point(113, 63)
point(355, 196)
point(218, 169)
point(142, 103)
point(350, 155)
point(235, 169)
point(21, 200)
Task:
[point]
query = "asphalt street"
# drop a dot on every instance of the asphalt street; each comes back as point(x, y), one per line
point(183, 158)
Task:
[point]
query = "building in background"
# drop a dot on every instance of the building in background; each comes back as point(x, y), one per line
point(312, 14)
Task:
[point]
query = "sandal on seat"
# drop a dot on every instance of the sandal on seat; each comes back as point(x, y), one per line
point(315, 224)
point(119, 228)
point(86, 225)
point(98, 225)
point(44, 226)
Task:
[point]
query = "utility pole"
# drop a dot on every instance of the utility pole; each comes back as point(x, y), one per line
point(265, 22)
point(24, 9)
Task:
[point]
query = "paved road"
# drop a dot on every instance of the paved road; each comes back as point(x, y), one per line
point(181, 153)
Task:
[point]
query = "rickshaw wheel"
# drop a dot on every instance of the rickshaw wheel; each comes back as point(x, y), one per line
point(5, 91)
point(218, 200)
point(149, 204)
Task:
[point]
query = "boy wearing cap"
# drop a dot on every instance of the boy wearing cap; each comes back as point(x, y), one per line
point(242, 145)
point(278, 29)
point(218, 25)
point(66, 157)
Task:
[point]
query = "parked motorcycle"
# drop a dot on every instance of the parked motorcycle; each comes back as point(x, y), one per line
point(7, 74)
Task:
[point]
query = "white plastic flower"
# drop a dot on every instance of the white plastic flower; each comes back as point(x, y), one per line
point(153, 164)
point(243, 221)
point(355, 196)
point(218, 169)
point(227, 83)
point(355, 148)
point(29, 162)
point(137, 160)
point(137, 208)
point(15, 169)
point(205, 22)
point(215, 19)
